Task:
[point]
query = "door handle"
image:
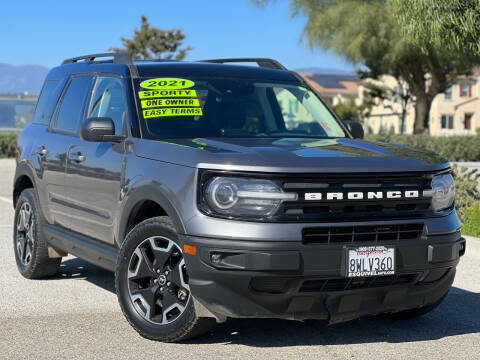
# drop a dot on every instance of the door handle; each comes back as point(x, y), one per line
point(76, 156)
point(42, 151)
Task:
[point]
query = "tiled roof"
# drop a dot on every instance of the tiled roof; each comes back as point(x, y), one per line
point(332, 83)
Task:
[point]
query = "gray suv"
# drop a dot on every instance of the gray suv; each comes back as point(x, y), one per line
point(217, 190)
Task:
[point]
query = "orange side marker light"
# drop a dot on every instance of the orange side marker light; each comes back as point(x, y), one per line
point(190, 249)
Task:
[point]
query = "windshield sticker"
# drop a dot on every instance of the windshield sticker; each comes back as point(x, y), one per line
point(167, 84)
point(166, 93)
point(152, 113)
point(169, 97)
point(169, 103)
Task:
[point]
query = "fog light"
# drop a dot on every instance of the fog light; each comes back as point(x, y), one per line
point(216, 259)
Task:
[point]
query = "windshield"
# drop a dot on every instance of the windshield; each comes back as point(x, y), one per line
point(191, 108)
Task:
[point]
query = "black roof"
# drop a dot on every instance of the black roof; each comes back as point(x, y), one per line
point(87, 67)
point(206, 69)
point(121, 64)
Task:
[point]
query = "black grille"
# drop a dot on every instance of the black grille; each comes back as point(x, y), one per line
point(341, 284)
point(324, 210)
point(362, 233)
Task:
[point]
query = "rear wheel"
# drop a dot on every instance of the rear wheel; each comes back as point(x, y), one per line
point(30, 245)
point(152, 284)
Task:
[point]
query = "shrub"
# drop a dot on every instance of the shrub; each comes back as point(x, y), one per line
point(453, 148)
point(471, 220)
point(348, 110)
point(7, 144)
point(466, 187)
point(467, 199)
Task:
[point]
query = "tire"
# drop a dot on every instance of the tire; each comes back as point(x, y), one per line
point(149, 277)
point(29, 242)
point(415, 313)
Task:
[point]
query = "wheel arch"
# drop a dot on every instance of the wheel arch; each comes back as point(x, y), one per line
point(143, 203)
point(23, 179)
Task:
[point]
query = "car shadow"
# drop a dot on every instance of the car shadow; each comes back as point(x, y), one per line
point(75, 268)
point(457, 315)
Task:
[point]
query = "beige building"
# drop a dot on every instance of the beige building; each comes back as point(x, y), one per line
point(456, 112)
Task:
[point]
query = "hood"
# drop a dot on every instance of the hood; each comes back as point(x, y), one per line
point(290, 155)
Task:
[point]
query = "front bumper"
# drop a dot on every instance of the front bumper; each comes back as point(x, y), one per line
point(291, 280)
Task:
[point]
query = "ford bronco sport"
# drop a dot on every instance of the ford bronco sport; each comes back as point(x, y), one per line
point(218, 190)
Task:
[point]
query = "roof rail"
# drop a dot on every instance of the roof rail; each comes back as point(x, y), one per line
point(262, 62)
point(118, 58)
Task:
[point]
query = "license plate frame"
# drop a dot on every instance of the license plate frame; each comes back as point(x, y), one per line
point(370, 266)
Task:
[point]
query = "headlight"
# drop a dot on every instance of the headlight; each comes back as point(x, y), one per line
point(443, 192)
point(243, 197)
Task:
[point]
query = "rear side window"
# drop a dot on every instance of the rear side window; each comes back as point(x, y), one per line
point(71, 108)
point(46, 102)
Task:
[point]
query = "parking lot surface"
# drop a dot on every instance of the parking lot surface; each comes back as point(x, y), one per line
point(75, 315)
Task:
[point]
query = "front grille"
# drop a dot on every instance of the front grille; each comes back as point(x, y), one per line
point(329, 210)
point(341, 284)
point(362, 233)
point(282, 285)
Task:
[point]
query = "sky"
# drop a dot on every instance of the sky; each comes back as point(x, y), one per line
point(45, 32)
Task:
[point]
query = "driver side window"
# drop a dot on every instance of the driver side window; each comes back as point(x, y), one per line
point(293, 111)
point(109, 101)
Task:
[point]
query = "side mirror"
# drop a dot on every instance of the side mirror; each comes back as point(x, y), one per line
point(355, 128)
point(99, 129)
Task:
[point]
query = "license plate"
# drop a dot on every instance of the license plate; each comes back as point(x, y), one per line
point(370, 261)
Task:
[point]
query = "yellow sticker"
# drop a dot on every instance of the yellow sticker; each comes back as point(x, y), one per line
point(167, 83)
point(169, 102)
point(151, 113)
point(166, 93)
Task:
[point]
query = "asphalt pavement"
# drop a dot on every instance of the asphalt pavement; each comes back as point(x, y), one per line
point(75, 315)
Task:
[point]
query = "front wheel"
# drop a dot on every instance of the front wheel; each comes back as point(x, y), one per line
point(152, 284)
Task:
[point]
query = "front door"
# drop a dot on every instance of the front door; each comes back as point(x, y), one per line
point(95, 169)
point(468, 121)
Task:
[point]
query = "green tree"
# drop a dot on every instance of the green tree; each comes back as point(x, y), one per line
point(150, 42)
point(349, 110)
point(452, 25)
point(366, 32)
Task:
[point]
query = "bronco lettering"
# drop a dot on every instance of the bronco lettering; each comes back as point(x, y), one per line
point(359, 195)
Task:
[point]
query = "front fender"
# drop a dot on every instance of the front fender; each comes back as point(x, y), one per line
point(147, 189)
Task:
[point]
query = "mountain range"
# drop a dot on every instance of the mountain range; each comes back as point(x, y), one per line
point(29, 78)
point(21, 79)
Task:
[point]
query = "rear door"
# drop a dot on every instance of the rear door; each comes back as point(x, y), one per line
point(63, 132)
point(95, 169)
point(50, 171)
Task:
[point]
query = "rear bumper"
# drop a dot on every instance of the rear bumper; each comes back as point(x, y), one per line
point(291, 280)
